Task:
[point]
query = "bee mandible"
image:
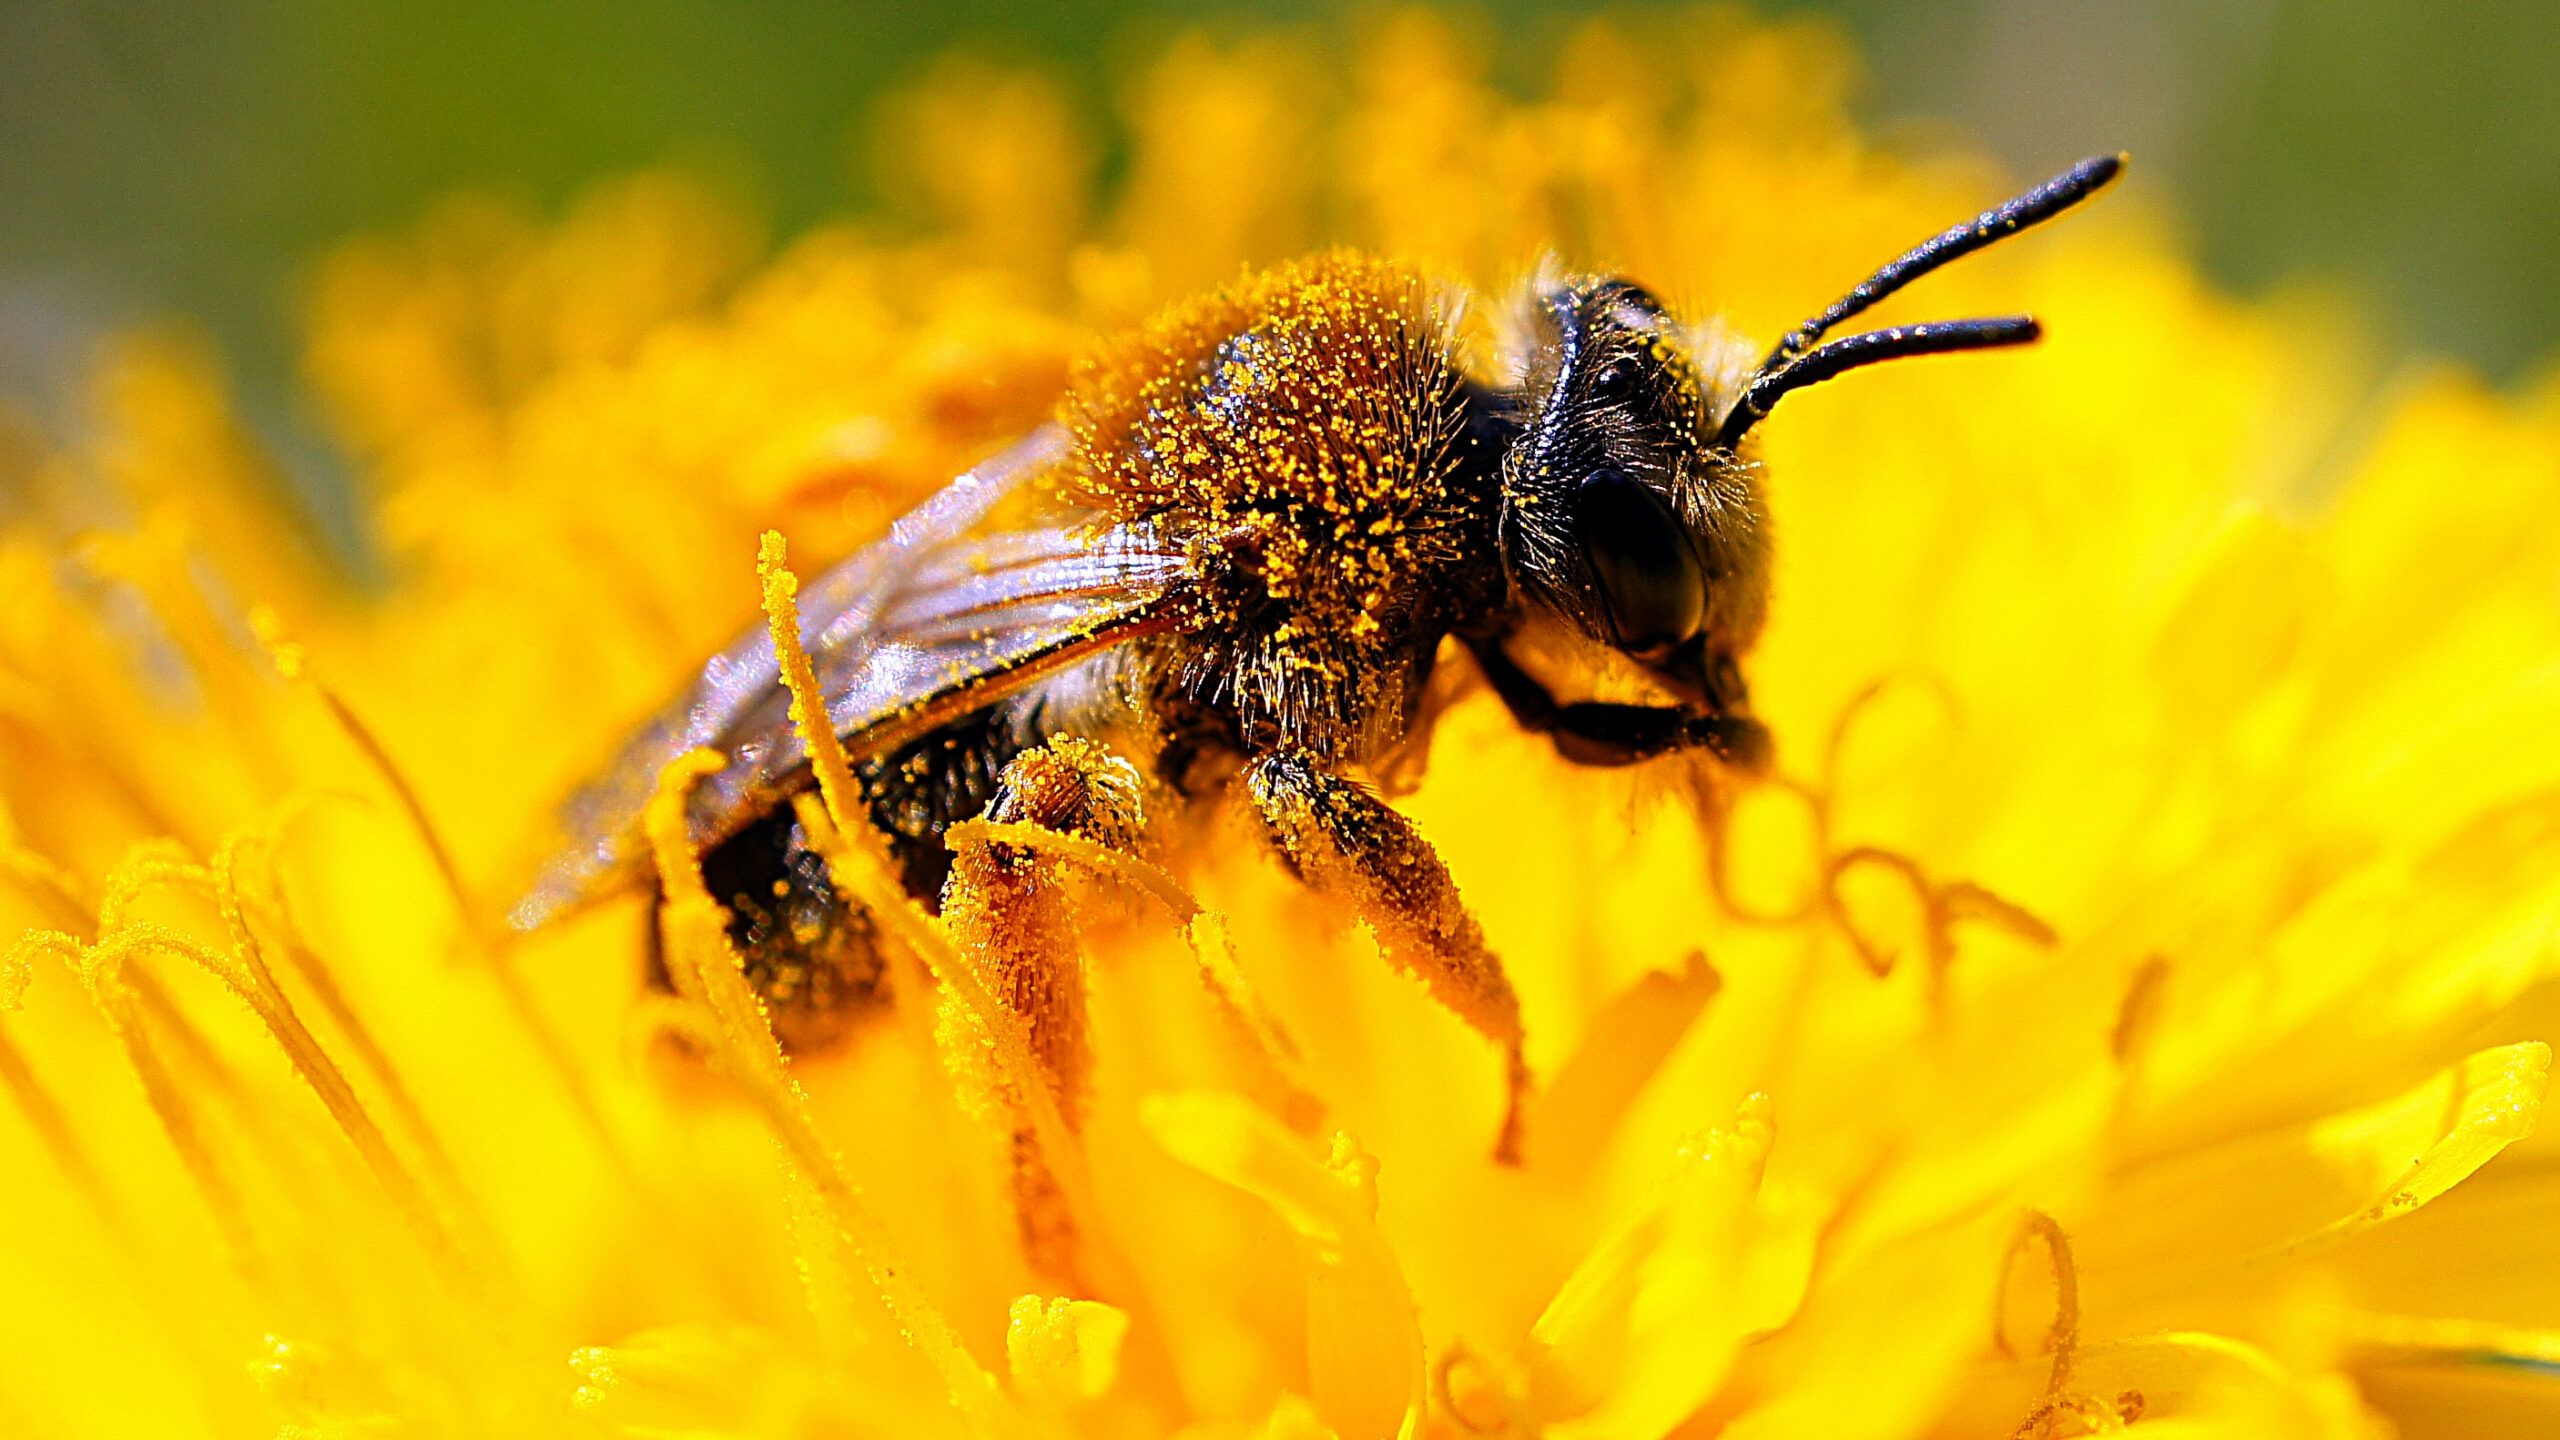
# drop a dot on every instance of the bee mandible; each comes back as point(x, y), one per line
point(1235, 558)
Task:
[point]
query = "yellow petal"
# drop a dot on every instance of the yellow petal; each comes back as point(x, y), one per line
point(1882, 1341)
point(1625, 1045)
point(2458, 1376)
point(2178, 1222)
point(1364, 1342)
point(733, 1382)
point(2175, 1384)
point(2491, 1100)
point(1647, 1325)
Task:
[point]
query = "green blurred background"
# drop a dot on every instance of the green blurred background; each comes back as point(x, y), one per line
point(192, 157)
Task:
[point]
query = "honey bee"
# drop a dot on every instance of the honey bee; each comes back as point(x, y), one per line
point(1234, 559)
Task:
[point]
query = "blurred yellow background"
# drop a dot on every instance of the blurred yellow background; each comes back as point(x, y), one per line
point(160, 157)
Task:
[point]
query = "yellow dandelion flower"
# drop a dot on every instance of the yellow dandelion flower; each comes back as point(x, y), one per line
point(2124, 1007)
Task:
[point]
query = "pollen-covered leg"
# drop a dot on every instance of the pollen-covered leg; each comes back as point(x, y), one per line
point(1352, 846)
point(1007, 906)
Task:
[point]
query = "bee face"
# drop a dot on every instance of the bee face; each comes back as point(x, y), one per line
point(1620, 514)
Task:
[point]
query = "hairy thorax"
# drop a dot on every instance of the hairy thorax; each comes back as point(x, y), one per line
point(1306, 439)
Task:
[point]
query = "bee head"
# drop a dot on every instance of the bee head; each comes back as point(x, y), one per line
point(1621, 514)
point(1627, 506)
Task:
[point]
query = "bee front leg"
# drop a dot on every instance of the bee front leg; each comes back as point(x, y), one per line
point(1593, 733)
point(1352, 847)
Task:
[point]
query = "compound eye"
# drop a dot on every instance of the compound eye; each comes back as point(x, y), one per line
point(1617, 382)
point(1648, 573)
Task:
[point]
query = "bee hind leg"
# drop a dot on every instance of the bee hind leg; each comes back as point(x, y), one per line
point(1007, 905)
point(1354, 848)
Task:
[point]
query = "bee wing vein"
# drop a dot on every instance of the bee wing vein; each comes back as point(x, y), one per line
point(939, 616)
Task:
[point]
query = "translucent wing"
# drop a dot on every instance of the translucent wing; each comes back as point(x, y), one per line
point(939, 618)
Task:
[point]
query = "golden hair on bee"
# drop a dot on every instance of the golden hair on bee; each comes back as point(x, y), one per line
point(1295, 437)
point(1330, 381)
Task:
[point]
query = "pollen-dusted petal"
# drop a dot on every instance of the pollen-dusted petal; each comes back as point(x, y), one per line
point(690, 921)
point(1364, 1345)
point(2173, 1223)
point(1646, 1327)
point(2452, 1125)
point(987, 1044)
point(698, 938)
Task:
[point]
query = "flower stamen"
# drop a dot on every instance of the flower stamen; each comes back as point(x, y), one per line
point(2090, 1414)
point(292, 662)
point(1270, 1054)
point(43, 1113)
point(102, 975)
point(858, 856)
point(271, 908)
point(707, 972)
point(1715, 814)
point(1942, 908)
point(243, 971)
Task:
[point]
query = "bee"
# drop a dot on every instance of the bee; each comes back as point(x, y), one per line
point(1235, 558)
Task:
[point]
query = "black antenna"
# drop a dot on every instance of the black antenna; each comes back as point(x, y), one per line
point(1937, 337)
point(2035, 207)
point(1796, 363)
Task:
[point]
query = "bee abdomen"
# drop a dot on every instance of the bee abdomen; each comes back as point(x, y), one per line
point(813, 957)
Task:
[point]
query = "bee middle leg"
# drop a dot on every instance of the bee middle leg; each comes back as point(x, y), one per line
point(1353, 847)
point(1595, 733)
